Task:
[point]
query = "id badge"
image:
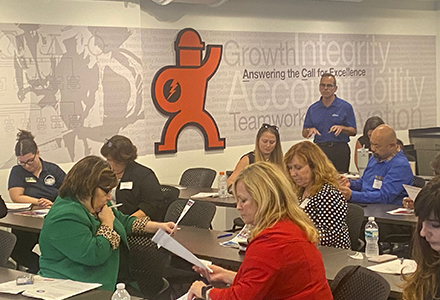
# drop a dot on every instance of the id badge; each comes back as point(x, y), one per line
point(126, 185)
point(377, 184)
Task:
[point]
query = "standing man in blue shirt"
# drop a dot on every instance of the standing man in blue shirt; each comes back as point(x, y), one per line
point(332, 121)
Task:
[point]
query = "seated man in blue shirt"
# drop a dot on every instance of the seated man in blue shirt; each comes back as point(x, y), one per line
point(386, 172)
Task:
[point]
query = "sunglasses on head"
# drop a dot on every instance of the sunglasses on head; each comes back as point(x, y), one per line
point(105, 189)
point(267, 126)
point(108, 143)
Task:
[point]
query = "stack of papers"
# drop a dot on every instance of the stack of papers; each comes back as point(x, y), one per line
point(242, 237)
point(396, 267)
point(38, 213)
point(48, 289)
point(401, 211)
point(204, 195)
point(18, 206)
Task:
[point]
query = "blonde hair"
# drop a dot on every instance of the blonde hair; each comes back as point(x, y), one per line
point(322, 168)
point(276, 156)
point(270, 188)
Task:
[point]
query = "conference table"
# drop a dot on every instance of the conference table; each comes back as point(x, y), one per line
point(9, 275)
point(204, 244)
point(379, 211)
point(188, 192)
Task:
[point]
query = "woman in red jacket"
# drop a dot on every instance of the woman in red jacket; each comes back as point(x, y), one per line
point(282, 260)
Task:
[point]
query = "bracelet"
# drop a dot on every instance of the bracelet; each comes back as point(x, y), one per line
point(205, 289)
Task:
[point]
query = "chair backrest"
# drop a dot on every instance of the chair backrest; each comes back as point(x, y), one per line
point(200, 214)
point(418, 182)
point(363, 284)
point(7, 243)
point(355, 217)
point(170, 194)
point(147, 266)
point(198, 177)
point(3, 208)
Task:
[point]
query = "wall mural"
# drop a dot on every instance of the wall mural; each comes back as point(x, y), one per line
point(180, 90)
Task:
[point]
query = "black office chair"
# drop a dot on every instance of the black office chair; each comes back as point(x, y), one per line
point(200, 214)
point(170, 194)
point(354, 219)
point(179, 272)
point(198, 177)
point(237, 225)
point(418, 182)
point(147, 267)
point(7, 243)
point(356, 282)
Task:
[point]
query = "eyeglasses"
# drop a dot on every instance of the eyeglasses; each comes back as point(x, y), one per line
point(105, 189)
point(267, 126)
point(328, 85)
point(108, 143)
point(28, 162)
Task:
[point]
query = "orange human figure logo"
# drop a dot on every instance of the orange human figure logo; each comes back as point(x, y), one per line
point(180, 92)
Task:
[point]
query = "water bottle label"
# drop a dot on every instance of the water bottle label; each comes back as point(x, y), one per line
point(371, 233)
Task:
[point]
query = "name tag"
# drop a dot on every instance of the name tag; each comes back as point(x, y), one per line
point(30, 179)
point(126, 185)
point(377, 184)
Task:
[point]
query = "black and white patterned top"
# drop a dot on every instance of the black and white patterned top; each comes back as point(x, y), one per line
point(328, 210)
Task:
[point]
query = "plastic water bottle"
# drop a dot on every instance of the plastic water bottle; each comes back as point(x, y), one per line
point(121, 293)
point(222, 187)
point(371, 238)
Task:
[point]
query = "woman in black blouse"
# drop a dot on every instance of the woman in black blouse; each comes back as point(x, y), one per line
point(138, 189)
point(315, 180)
point(364, 140)
point(267, 148)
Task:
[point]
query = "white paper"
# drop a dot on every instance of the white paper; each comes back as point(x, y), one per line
point(412, 191)
point(395, 267)
point(184, 297)
point(11, 287)
point(401, 211)
point(164, 240)
point(357, 255)
point(37, 213)
point(188, 205)
point(242, 236)
point(18, 206)
point(49, 289)
point(204, 195)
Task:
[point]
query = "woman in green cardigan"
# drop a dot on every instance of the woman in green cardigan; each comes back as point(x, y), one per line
point(81, 235)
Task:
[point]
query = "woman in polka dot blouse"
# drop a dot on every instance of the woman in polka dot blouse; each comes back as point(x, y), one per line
point(315, 181)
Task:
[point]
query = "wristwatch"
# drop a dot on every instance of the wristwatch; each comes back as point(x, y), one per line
point(205, 289)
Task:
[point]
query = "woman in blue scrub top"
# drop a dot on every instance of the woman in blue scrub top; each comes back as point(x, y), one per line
point(35, 181)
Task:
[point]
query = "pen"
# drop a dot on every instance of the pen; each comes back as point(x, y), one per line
point(113, 206)
point(224, 235)
point(116, 205)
